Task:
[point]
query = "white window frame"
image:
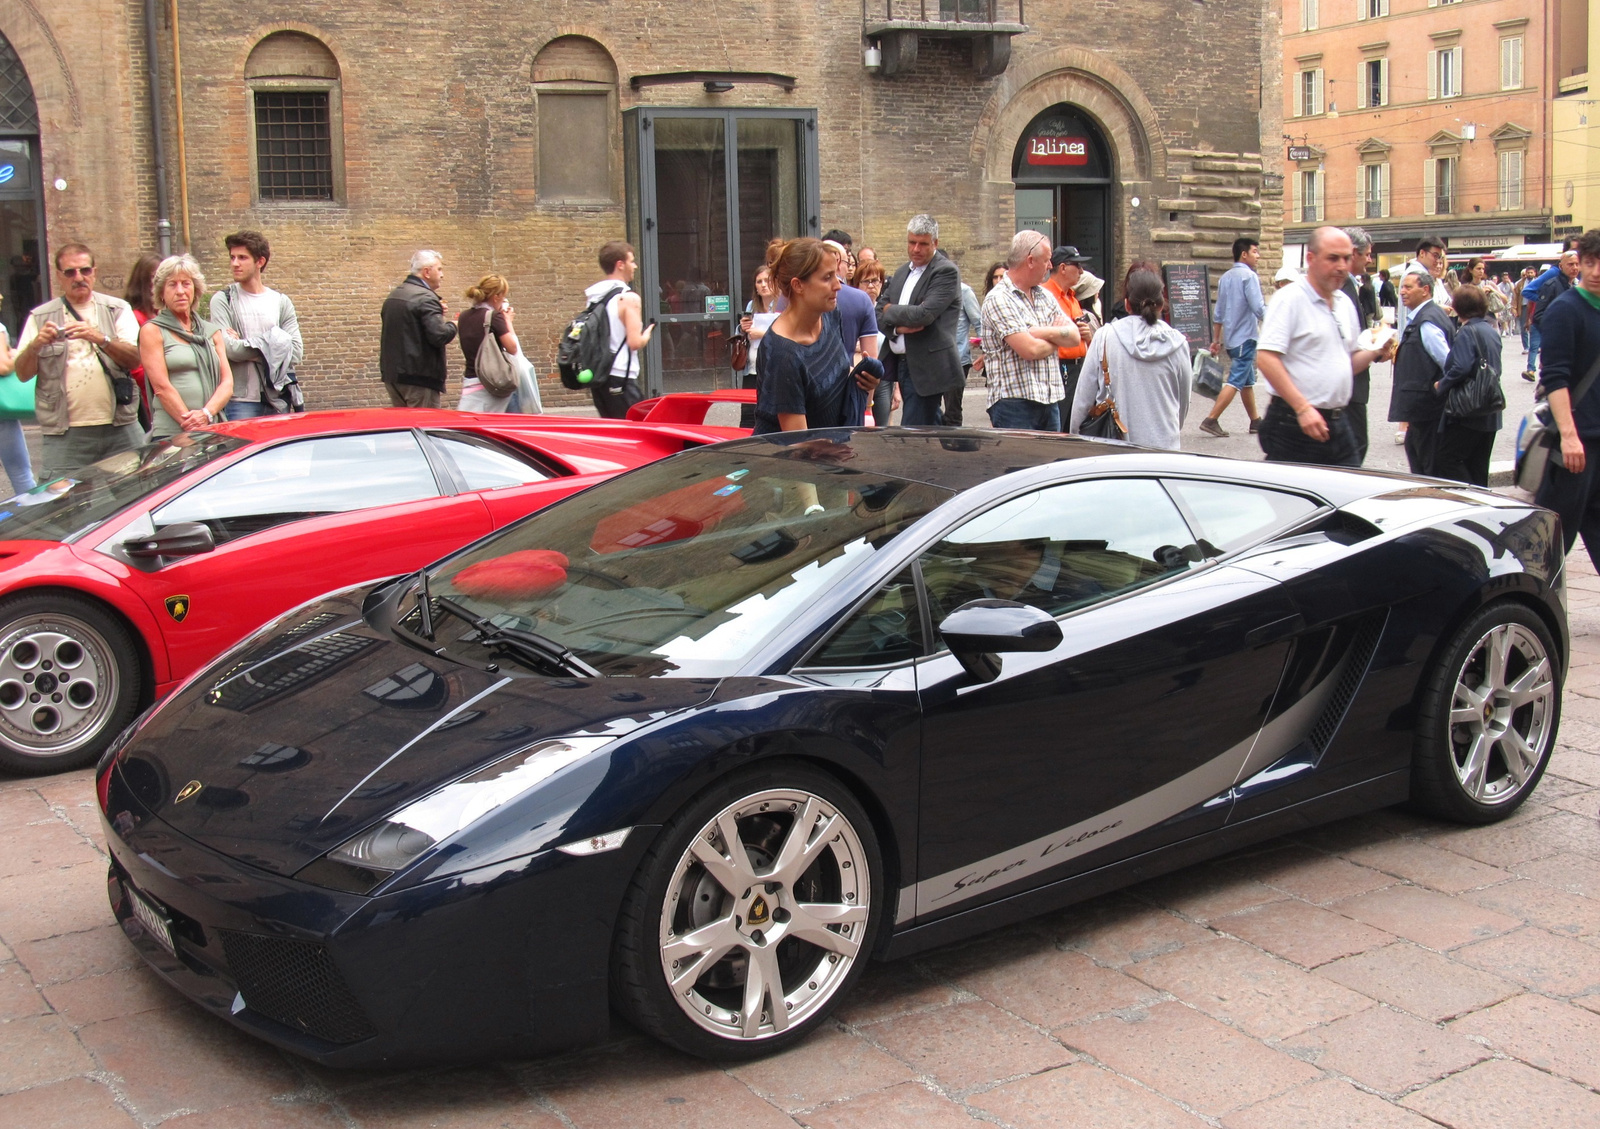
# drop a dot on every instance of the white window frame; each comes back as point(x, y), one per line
point(1371, 9)
point(1511, 62)
point(1374, 175)
point(1310, 15)
point(1431, 169)
point(1364, 84)
point(1301, 109)
point(1444, 72)
point(1312, 179)
point(1510, 178)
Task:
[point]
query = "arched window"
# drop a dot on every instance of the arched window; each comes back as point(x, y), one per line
point(575, 83)
point(296, 119)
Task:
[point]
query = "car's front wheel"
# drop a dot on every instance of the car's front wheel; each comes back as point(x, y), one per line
point(1488, 719)
point(751, 916)
point(69, 682)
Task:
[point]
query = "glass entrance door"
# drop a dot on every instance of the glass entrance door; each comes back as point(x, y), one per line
point(20, 223)
point(707, 189)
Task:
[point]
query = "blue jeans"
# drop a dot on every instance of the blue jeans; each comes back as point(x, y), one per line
point(1533, 348)
point(1242, 374)
point(14, 456)
point(1017, 414)
point(244, 409)
point(917, 410)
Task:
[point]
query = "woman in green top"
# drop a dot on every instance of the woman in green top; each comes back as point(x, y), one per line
point(182, 353)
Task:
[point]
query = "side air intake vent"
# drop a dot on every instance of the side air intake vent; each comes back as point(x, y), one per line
point(295, 983)
point(1367, 632)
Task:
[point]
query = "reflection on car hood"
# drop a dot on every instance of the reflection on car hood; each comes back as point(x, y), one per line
point(320, 726)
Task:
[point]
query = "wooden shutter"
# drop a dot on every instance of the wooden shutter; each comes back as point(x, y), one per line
point(1383, 71)
point(1299, 94)
point(1430, 172)
point(1383, 188)
point(1316, 85)
point(1361, 83)
point(1433, 73)
point(1456, 73)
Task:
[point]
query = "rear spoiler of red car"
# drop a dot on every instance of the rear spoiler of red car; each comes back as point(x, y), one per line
point(688, 407)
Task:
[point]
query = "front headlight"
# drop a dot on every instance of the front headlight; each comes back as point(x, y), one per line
point(362, 862)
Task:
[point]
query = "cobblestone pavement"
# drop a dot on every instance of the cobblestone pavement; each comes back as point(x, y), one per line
point(1385, 971)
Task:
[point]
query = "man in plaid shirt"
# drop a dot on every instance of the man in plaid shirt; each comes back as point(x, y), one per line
point(1023, 326)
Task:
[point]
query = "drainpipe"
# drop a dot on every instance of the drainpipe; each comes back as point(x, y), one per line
point(163, 224)
point(177, 92)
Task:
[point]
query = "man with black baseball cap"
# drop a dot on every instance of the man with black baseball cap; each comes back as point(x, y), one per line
point(1066, 268)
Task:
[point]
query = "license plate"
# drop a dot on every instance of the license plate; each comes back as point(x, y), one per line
point(155, 922)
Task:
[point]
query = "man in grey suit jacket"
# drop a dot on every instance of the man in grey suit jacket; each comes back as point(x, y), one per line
point(918, 313)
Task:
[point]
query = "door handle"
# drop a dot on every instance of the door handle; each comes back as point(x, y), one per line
point(1277, 629)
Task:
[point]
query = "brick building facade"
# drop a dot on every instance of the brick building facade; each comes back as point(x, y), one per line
point(514, 141)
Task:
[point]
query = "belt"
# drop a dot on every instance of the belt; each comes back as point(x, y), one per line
point(1327, 413)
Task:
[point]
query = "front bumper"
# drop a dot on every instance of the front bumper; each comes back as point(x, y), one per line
point(508, 960)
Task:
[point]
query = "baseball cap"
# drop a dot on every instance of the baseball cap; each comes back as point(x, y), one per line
point(1066, 254)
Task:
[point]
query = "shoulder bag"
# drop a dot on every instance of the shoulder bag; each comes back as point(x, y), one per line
point(1539, 439)
point(1480, 393)
point(493, 365)
point(1103, 421)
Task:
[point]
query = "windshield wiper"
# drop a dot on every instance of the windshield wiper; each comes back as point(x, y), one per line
point(527, 645)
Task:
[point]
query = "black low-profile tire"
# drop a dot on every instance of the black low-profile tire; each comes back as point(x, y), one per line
point(1488, 717)
point(70, 681)
point(752, 914)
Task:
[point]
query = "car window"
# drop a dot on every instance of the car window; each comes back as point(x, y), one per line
point(485, 465)
point(1062, 548)
point(1231, 516)
point(329, 475)
point(886, 630)
point(67, 507)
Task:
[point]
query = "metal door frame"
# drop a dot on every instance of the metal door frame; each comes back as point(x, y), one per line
point(643, 216)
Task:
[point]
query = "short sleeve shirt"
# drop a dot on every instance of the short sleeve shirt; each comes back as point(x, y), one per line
point(809, 380)
point(1315, 339)
point(1008, 310)
point(857, 318)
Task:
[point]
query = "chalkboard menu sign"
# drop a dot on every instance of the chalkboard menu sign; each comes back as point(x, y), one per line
point(1189, 299)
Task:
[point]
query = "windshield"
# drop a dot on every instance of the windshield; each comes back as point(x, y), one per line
point(690, 564)
point(65, 507)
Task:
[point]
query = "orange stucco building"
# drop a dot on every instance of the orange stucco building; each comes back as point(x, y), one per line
point(1421, 116)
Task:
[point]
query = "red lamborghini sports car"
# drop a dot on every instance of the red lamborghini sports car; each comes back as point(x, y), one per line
point(119, 581)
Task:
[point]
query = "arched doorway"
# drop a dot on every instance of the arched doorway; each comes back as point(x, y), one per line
point(1062, 171)
point(21, 193)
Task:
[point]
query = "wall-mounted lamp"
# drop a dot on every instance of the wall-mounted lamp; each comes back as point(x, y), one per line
point(872, 57)
point(1469, 131)
point(718, 87)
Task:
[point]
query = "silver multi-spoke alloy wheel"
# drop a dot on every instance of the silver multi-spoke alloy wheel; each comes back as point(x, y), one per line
point(1501, 713)
point(58, 684)
point(765, 914)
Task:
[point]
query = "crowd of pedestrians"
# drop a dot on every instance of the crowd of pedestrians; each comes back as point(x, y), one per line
point(829, 336)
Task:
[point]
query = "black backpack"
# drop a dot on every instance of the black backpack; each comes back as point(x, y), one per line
point(584, 357)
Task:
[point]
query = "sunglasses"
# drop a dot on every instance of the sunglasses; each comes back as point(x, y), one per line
point(77, 272)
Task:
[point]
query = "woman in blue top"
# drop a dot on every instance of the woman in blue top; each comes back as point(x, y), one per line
point(804, 379)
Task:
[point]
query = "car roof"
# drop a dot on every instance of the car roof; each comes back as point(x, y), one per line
point(960, 459)
point(266, 428)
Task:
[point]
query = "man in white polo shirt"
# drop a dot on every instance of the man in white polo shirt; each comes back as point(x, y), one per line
point(1308, 353)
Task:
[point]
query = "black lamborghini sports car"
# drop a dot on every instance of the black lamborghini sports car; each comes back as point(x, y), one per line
point(697, 742)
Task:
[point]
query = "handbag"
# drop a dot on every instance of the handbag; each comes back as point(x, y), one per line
point(1479, 394)
point(739, 351)
point(1539, 439)
point(16, 398)
point(1103, 420)
point(493, 365)
point(1209, 375)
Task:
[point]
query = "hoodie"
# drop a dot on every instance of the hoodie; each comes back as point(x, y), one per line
point(1150, 376)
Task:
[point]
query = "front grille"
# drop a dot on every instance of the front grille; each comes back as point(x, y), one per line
point(295, 983)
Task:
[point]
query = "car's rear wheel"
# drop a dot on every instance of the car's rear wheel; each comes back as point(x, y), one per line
point(69, 682)
point(751, 916)
point(1488, 719)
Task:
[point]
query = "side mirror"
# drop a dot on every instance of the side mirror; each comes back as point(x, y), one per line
point(181, 539)
point(979, 631)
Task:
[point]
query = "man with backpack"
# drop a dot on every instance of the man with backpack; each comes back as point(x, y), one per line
point(601, 349)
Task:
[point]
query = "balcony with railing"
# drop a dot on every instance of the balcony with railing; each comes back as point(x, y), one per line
point(897, 26)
